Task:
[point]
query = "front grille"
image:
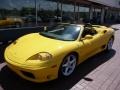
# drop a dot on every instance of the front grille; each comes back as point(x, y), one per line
point(27, 74)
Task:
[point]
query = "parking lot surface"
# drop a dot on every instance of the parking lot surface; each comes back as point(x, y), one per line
point(101, 72)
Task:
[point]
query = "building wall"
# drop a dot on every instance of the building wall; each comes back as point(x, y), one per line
point(111, 3)
point(48, 12)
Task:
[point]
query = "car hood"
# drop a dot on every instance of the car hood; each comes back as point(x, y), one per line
point(31, 44)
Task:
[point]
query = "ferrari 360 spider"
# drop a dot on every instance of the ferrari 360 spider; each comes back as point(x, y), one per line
point(55, 52)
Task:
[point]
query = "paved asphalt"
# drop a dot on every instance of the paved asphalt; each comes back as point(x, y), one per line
point(101, 72)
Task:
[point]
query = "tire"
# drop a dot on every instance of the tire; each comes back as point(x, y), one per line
point(110, 44)
point(18, 25)
point(68, 65)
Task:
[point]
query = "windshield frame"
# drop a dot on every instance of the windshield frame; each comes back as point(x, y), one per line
point(50, 35)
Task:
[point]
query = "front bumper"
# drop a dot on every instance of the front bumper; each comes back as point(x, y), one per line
point(35, 75)
point(35, 72)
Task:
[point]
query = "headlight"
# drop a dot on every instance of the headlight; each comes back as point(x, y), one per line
point(41, 56)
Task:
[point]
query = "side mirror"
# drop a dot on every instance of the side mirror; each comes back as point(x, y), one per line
point(88, 37)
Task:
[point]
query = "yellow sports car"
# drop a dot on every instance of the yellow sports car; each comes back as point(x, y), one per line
point(10, 21)
point(44, 56)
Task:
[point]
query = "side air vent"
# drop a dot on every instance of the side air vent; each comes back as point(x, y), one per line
point(104, 31)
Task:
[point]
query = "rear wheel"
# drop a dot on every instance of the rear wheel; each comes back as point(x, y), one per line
point(18, 25)
point(68, 65)
point(110, 44)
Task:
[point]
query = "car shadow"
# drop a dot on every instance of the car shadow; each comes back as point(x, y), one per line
point(10, 81)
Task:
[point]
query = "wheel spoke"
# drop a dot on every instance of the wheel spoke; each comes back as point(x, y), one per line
point(72, 66)
point(66, 70)
point(65, 65)
point(73, 61)
point(68, 59)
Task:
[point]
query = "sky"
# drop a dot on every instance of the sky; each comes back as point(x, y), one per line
point(47, 5)
point(9, 4)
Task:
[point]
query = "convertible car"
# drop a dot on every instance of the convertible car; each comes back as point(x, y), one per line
point(55, 52)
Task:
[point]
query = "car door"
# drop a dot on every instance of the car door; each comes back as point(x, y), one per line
point(96, 44)
point(85, 49)
point(10, 21)
point(89, 45)
point(2, 22)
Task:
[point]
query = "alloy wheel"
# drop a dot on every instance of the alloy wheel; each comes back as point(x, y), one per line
point(110, 44)
point(69, 65)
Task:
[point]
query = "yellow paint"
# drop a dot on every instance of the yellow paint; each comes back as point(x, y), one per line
point(10, 21)
point(17, 53)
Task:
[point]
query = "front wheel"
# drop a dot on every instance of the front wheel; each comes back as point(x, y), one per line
point(68, 65)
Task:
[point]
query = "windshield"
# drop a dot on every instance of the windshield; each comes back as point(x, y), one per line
point(65, 33)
